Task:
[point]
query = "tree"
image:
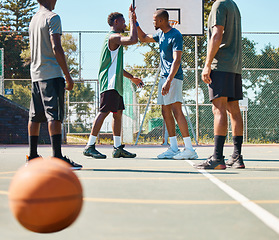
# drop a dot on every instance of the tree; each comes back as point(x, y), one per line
point(12, 44)
point(17, 14)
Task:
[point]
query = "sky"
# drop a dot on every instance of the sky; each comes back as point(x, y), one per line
point(257, 15)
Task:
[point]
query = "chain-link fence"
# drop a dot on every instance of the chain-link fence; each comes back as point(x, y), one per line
point(83, 49)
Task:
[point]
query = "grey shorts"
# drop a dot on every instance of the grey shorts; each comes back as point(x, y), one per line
point(47, 101)
point(175, 92)
point(225, 84)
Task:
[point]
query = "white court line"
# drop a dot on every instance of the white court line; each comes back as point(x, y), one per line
point(265, 216)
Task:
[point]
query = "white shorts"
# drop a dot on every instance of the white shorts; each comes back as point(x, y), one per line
point(174, 95)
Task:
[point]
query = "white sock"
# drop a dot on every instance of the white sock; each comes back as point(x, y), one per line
point(173, 143)
point(117, 141)
point(92, 140)
point(188, 143)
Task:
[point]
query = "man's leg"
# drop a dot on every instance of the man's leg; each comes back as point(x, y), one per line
point(116, 128)
point(170, 124)
point(216, 161)
point(118, 148)
point(90, 149)
point(182, 123)
point(54, 128)
point(97, 124)
point(236, 159)
point(33, 133)
point(189, 152)
point(219, 110)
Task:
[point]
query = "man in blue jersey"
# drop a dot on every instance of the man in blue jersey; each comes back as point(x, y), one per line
point(111, 83)
point(170, 84)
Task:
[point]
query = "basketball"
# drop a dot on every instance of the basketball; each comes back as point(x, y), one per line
point(46, 195)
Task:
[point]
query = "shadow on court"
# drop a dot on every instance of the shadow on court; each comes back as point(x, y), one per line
point(151, 171)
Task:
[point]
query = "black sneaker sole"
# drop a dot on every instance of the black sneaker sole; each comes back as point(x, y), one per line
point(133, 156)
point(97, 157)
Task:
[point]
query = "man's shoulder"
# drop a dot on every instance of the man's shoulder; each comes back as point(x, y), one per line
point(175, 33)
point(46, 13)
point(222, 4)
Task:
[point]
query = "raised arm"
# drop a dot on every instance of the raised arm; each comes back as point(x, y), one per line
point(143, 37)
point(117, 39)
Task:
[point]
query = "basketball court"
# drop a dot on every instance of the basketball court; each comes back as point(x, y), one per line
point(147, 198)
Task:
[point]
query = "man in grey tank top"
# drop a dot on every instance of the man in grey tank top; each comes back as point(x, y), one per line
point(48, 85)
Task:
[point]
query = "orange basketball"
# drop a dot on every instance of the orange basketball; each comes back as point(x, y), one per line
point(45, 196)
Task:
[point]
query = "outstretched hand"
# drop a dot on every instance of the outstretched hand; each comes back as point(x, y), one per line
point(137, 81)
point(132, 11)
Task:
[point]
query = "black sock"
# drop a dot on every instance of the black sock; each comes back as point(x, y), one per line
point(33, 145)
point(219, 142)
point(56, 145)
point(237, 143)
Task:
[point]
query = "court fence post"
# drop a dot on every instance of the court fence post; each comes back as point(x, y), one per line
point(197, 91)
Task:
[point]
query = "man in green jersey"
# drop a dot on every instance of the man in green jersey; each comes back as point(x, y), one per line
point(222, 71)
point(111, 83)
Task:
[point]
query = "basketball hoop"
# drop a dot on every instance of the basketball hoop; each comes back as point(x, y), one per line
point(173, 23)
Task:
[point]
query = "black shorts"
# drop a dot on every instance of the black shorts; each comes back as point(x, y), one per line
point(111, 101)
point(47, 101)
point(225, 84)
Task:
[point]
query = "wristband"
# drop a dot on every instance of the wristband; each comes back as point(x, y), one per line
point(137, 24)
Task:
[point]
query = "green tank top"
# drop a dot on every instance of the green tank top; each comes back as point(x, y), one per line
point(111, 68)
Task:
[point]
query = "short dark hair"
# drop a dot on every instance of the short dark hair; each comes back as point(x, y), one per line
point(42, 1)
point(113, 16)
point(162, 13)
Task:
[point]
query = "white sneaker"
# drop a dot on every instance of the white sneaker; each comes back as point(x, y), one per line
point(168, 154)
point(186, 154)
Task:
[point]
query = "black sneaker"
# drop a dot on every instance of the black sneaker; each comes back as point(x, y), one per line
point(120, 152)
point(212, 163)
point(235, 162)
point(91, 151)
point(74, 166)
point(29, 158)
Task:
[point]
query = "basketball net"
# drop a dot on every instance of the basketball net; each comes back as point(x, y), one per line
point(173, 23)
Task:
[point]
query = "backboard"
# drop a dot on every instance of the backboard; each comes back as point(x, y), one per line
point(188, 13)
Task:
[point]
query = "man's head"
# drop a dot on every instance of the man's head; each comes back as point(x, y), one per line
point(117, 22)
point(49, 4)
point(160, 18)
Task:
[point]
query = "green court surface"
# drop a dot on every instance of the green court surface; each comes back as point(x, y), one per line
point(150, 199)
